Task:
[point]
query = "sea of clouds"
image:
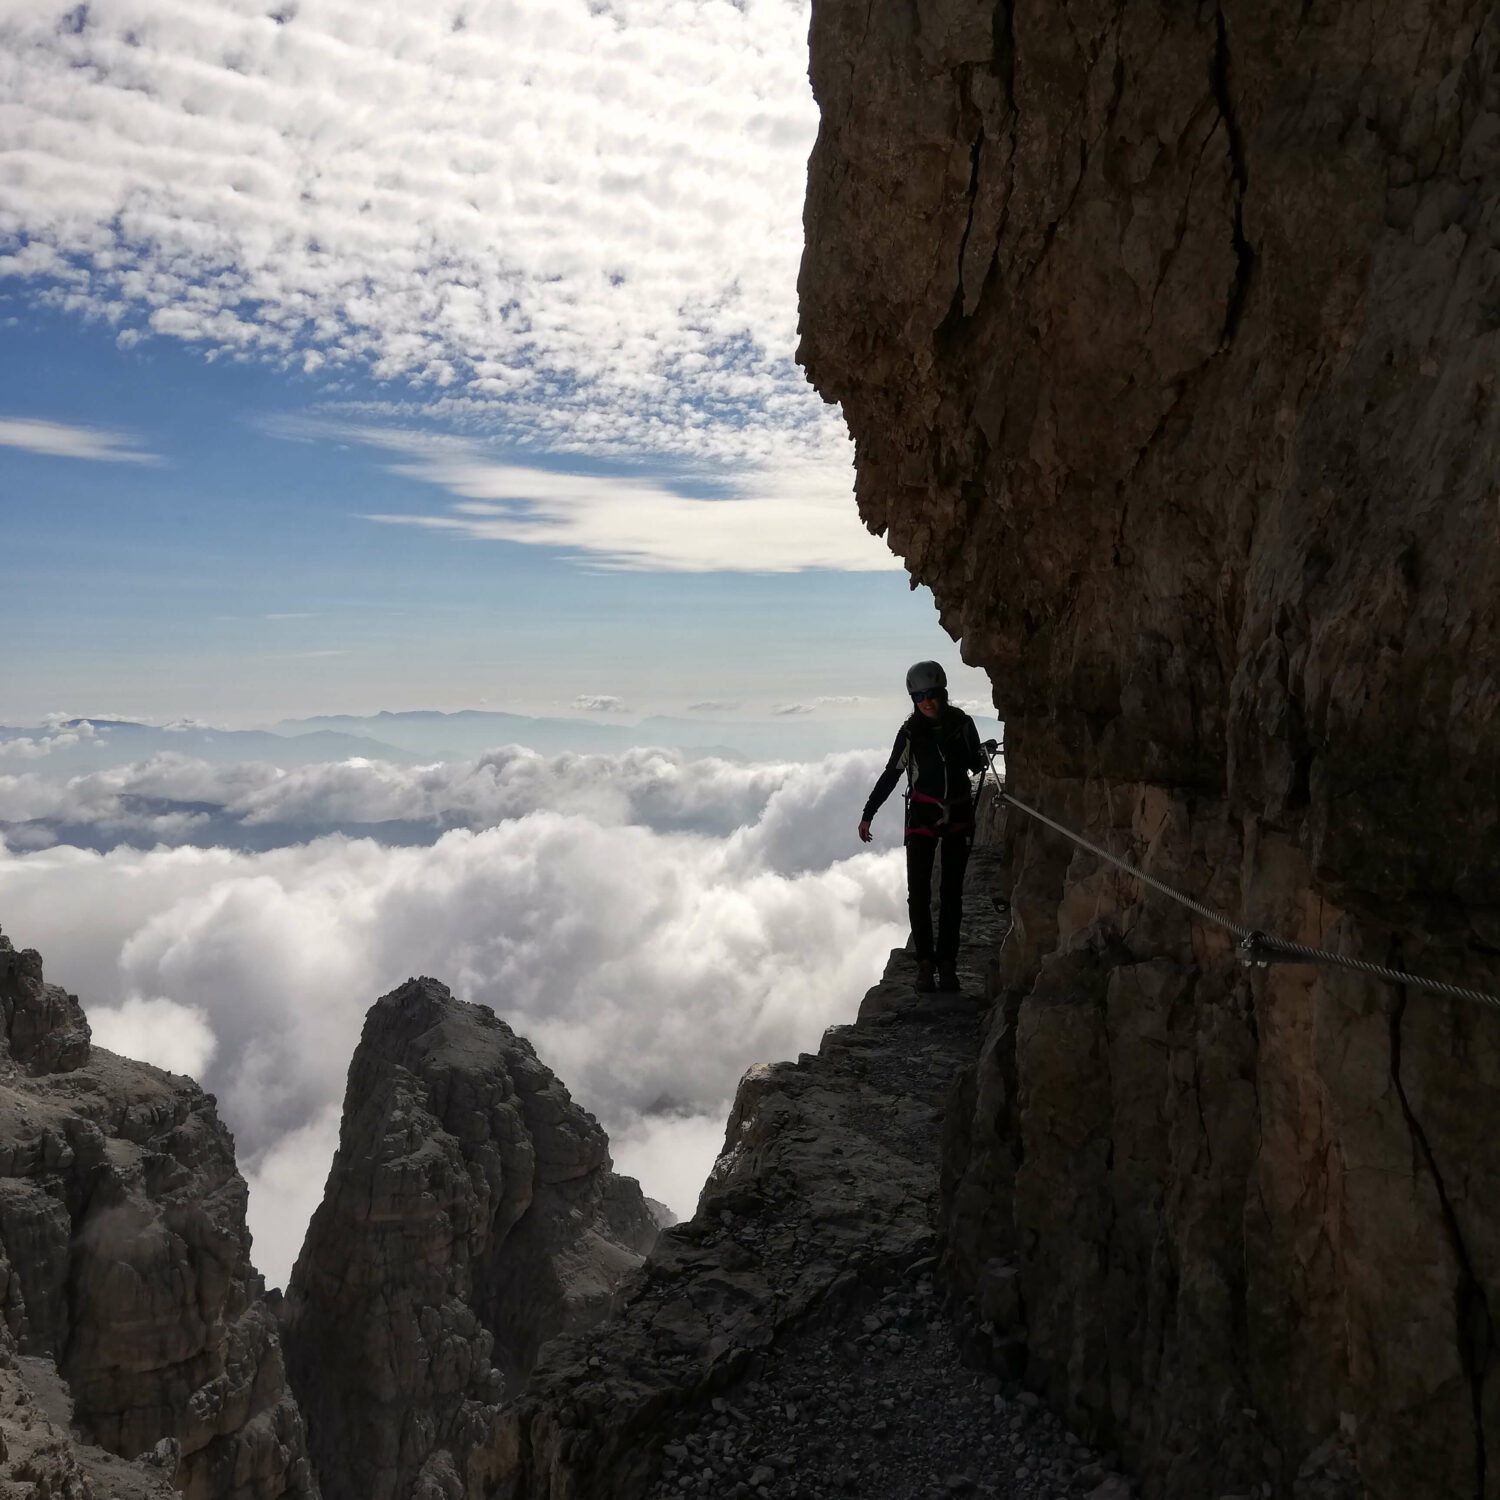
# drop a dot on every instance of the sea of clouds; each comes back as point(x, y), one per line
point(654, 924)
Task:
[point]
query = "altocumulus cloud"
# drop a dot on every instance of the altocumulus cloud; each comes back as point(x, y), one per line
point(580, 219)
point(649, 965)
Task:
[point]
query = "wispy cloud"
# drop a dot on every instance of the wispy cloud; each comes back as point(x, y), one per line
point(58, 440)
point(786, 709)
point(711, 706)
point(775, 520)
point(599, 703)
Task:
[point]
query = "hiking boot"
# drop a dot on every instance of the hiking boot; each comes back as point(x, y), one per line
point(947, 980)
point(924, 976)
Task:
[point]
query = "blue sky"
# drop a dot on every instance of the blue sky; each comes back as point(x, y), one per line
point(481, 397)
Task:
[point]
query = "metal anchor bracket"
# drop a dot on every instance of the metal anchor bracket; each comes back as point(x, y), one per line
point(1255, 949)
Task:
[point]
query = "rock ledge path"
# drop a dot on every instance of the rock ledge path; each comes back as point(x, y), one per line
point(791, 1341)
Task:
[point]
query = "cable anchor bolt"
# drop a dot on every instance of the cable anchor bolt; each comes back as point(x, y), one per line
point(1255, 949)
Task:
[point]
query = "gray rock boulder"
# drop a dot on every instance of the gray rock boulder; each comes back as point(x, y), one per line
point(471, 1214)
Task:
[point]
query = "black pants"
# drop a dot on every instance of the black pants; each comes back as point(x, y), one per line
point(921, 850)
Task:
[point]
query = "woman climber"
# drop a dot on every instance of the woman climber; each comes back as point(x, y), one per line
point(937, 747)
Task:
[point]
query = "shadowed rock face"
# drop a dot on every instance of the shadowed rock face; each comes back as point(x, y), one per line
point(470, 1215)
point(1168, 339)
point(125, 1261)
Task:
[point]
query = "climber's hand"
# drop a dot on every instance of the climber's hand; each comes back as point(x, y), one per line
point(864, 832)
point(990, 746)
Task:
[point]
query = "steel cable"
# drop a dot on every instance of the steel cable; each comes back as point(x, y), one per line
point(1255, 947)
point(1257, 943)
point(1203, 911)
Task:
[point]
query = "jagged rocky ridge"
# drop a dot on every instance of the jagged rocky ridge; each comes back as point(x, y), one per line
point(1167, 336)
point(133, 1321)
point(471, 1214)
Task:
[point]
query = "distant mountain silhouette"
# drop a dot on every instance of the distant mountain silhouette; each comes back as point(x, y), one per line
point(121, 741)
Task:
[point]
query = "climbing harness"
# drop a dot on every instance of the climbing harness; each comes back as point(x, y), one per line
point(1255, 947)
point(944, 824)
point(933, 830)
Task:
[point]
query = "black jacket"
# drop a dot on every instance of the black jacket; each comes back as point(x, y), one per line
point(939, 754)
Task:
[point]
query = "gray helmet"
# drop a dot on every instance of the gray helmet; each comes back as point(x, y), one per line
point(925, 676)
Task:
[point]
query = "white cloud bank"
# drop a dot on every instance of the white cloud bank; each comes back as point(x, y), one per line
point(176, 800)
point(649, 967)
point(580, 219)
point(173, 1036)
point(58, 440)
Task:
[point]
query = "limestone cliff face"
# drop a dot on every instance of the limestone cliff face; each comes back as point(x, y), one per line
point(470, 1214)
point(125, 1263)
point(1167, 336)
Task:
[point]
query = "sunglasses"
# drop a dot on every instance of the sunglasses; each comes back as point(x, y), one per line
point(925, 694)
